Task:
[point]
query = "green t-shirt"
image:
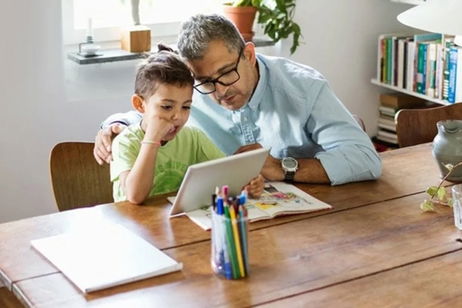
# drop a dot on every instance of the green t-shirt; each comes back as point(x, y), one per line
point(190, 146)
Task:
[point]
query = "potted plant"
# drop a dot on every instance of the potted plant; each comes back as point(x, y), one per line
point(275, 15)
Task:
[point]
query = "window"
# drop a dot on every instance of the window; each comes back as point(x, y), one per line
point(107, 16)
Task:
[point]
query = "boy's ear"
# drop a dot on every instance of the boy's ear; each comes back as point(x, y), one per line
point(137, 103)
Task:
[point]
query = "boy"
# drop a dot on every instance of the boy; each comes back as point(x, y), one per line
point(151, 157)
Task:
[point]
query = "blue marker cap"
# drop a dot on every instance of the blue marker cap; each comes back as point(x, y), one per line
point(220, 209)
point(243, 197)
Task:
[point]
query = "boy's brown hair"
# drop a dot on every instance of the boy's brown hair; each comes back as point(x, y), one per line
point(163, 67)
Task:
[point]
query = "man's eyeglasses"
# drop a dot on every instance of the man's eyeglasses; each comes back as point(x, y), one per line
point(225, 79)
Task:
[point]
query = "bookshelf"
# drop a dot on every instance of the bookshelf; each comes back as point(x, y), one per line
point(423, 65)
point(401, 90)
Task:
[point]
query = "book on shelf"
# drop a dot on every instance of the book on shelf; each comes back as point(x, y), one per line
point(439, 71)
point(387, 136)
point(455, 75)
point(421, 70)
point(104, 256)
point(390, 104)
point(430, 80)
point(400, 61)
point(388, 111)
point(409, 62)
point(387, 57)
point(278, 198)
point(448, 43)
point(400, 100)
point(387, 122)
point(417, 63)
point(402, 67)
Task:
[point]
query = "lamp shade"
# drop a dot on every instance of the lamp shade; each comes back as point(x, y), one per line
point(439, 16)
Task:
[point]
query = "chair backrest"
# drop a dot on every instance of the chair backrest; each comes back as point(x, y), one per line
point(77, 179)
point(415, 126)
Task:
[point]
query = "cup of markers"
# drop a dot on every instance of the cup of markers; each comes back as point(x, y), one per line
point(230, 257)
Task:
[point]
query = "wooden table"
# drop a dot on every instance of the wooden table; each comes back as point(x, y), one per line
point(374, 248)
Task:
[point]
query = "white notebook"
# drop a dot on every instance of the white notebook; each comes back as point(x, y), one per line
point(104, 257)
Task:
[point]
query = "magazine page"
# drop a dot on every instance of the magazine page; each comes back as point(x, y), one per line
point(202, 217)
point(282, 198)
point(278, 198)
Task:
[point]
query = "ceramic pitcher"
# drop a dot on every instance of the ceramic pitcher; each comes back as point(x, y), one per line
point(447, 148)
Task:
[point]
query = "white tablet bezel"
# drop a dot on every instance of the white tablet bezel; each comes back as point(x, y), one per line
point(201, 179)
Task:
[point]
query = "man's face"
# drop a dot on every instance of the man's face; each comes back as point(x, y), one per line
point(219, 61)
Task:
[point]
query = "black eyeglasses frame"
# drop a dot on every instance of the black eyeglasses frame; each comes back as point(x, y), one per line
point(216, 80)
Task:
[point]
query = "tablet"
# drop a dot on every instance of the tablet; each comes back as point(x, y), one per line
point(201, 179)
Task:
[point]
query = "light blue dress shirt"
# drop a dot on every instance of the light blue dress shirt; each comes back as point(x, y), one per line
point(294, 113)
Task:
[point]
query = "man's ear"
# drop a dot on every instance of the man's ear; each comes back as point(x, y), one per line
point(249, 52)
point(137, 103)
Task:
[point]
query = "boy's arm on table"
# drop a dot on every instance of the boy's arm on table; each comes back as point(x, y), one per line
point(137, 182)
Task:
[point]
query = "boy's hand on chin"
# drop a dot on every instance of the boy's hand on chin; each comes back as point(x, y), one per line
point(157, 127)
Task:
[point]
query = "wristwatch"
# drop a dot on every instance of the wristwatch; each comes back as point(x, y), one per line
point(290, 166)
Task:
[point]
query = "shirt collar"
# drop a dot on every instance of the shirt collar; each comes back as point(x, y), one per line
point(257, 96)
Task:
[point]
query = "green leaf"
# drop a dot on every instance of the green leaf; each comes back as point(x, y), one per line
point(450, 202)
point(427, 206)
point(256, 3)
point(432, 190)
point(278, 20)
point(441, 193)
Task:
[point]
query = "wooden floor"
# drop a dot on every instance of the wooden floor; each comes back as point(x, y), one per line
point(8, 300)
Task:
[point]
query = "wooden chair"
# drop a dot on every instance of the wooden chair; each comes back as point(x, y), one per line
point(8, 300)
point(77, 179)
point(415, 126)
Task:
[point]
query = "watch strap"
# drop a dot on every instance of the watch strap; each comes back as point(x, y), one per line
point(289, 176)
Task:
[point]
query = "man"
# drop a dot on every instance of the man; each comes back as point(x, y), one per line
point(244, 100)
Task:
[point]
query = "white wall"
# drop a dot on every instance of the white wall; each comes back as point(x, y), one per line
point(47, 99)
point(341, 42)
point(41, 107)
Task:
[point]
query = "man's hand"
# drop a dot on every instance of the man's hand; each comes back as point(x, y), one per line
point(248, 147)
point(103, 142)
point(272, 169)
point(256, 186)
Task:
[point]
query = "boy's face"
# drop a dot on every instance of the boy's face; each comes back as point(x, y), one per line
point(219, 60)
point(170, 103)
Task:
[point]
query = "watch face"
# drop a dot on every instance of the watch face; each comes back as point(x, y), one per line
point(289, 163)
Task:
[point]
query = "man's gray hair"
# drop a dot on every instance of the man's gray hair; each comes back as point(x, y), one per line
point(197, 32)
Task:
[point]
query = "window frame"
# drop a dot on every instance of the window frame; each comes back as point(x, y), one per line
point(73, 36)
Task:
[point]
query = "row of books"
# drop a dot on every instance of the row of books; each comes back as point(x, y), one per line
point(428, 63)
point(390, 104)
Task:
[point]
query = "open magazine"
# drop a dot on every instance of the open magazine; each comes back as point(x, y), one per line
point(278, 198)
